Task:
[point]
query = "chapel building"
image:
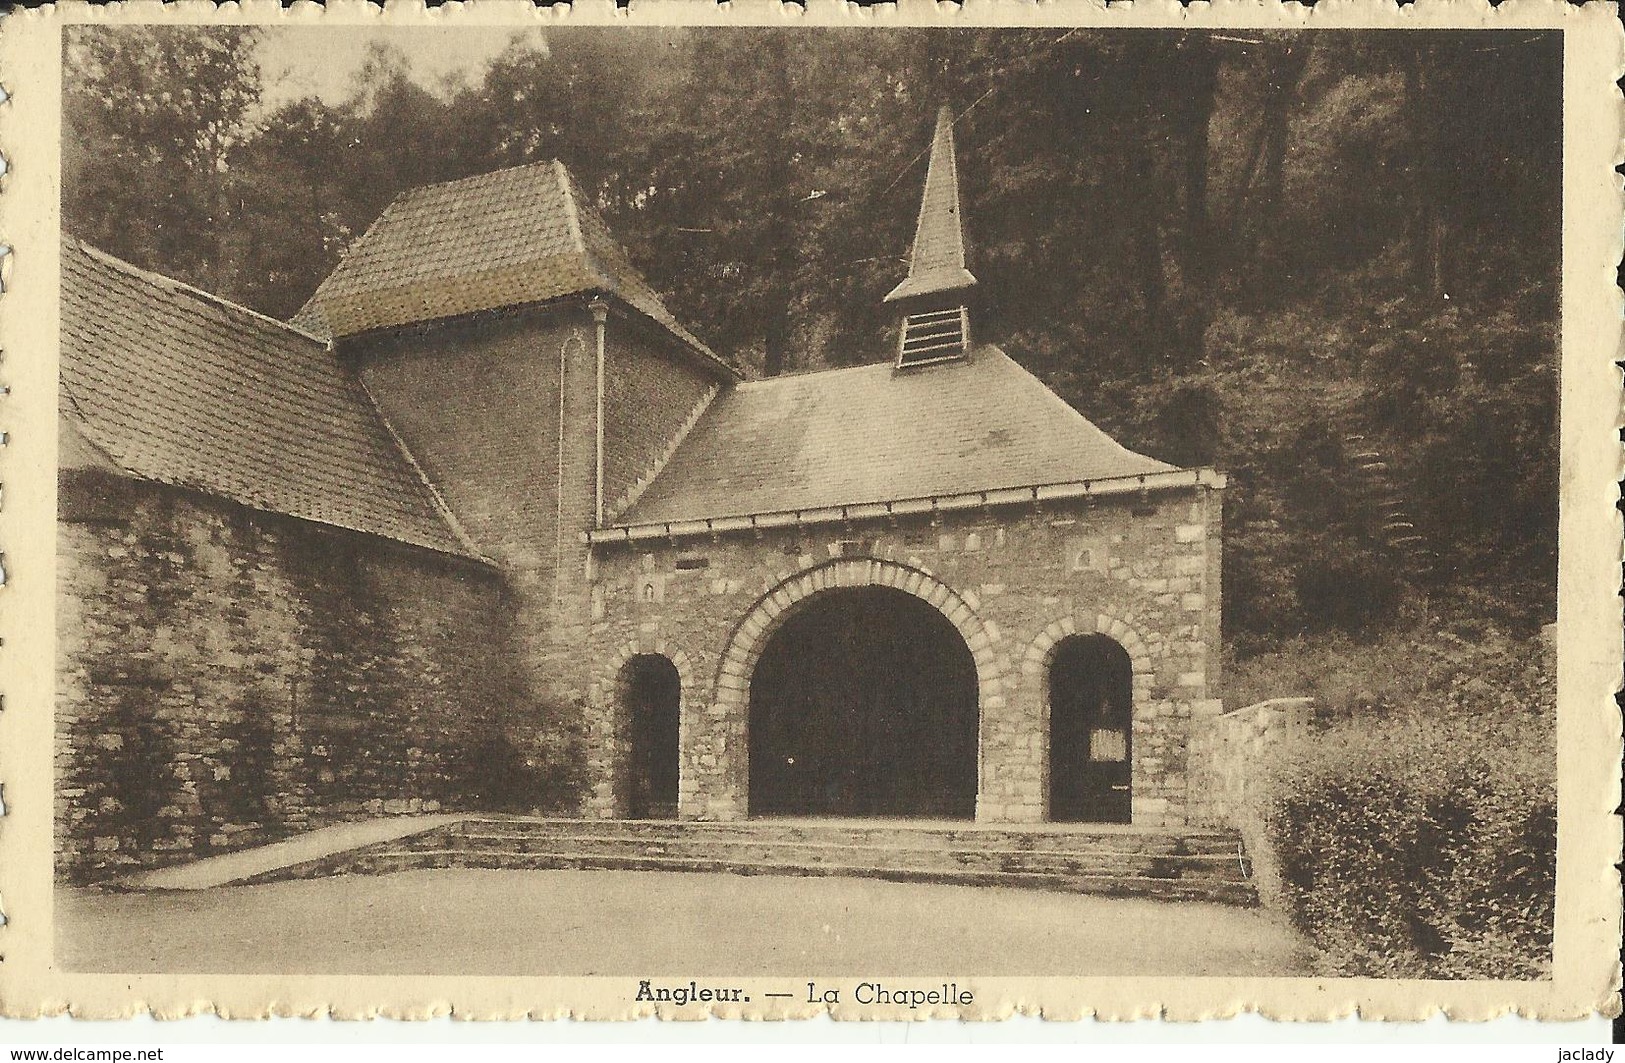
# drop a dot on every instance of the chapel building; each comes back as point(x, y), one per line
point(485, 477)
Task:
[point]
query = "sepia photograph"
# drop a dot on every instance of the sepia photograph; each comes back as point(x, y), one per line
point(869, 510)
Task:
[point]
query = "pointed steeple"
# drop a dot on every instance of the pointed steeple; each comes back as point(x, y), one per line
point(938, 262)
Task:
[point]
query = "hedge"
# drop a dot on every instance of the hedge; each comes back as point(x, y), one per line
point(1418, 840)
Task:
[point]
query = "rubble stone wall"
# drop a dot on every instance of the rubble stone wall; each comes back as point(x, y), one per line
point(227, 676)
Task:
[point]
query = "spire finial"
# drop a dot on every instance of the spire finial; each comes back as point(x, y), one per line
point(938, 262)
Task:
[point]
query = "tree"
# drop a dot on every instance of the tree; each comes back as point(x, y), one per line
point(1215, 245)
point(155, 119)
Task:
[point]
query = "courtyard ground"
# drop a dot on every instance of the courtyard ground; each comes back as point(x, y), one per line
point(636, 922)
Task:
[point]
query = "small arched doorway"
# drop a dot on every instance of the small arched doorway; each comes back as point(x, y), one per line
point(1091, 701)
point(864, 703)
point(651, 699)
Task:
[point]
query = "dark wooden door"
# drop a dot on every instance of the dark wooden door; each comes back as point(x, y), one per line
point(653, 700)
point(1091, 700)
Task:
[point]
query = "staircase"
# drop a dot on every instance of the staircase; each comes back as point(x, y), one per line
point(1388, 520)
point(1196, 864)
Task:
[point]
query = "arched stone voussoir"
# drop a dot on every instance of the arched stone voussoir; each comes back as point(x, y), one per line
point(1103, 622)
point(750, 636)
point(606, 683)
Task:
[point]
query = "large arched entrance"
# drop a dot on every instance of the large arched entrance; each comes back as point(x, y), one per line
point(864, 703)
point(1091, 697)
point(651, 699)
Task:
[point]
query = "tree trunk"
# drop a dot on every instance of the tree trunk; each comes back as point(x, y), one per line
point(1199, 254)
point(1262, 249)
point(1156, 336)
point(1426, 225)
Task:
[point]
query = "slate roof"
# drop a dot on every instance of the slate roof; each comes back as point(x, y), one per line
point(176, 386)
point(876, 434)
point(937, 262)
point(522, 235)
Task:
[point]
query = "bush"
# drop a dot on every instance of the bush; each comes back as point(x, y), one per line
point(1419, 839)
point(1452, 665)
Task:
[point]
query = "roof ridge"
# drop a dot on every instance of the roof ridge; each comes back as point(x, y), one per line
point(573, 208)
point(572, 212)
point(533, 164)
point(311, 303)
point(630, 496)
point(163, 281)
point(889, 364)
point(616, 281)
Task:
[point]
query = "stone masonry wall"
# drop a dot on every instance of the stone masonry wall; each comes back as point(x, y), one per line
point(227, 676)
point(478, 402)
point(1238, 741)
point(1013, 581)
point(1233, 748)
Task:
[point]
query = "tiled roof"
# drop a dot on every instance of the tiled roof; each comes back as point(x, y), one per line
point(515, 236)
point(876, 434)
point(937, 263)
point(178, 387)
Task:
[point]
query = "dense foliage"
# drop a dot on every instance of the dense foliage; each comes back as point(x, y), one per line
point(1417, 833)
point(1264, 251)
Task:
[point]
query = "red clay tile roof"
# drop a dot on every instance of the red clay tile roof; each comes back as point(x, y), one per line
point(178, 387)
point(937, 263)
point(877, 434)
point(521, 235)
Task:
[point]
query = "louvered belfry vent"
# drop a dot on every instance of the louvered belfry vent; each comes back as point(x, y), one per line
point(934, 299)
point(934, 336)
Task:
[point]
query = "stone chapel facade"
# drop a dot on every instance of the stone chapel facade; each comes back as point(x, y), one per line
point(921, 588)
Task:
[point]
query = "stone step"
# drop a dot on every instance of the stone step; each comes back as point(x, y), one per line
point(1168, 864)
point(1226, 865)
point(1071, 838)
point(1118, 885)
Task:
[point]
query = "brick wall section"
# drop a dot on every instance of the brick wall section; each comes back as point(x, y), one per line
point(1013, 581)
point(477, 402)
point(651, 392)
point(226, 676)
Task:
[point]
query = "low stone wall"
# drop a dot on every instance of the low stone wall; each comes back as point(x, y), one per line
point(226, 676)
point(1235, 742)
point(1231, 750)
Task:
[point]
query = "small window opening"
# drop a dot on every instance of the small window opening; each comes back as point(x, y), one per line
point(690, 564)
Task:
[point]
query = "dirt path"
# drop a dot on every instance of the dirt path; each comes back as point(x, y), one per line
point(638, 922)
